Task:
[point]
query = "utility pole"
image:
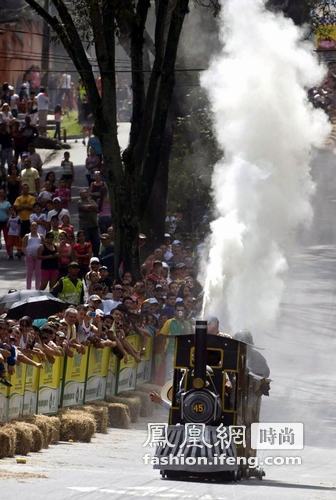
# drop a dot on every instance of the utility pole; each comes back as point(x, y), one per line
point(45, 49)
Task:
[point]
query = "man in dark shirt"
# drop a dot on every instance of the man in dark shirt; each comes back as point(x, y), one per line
point(28, 133)
point(106, 255)
point(105, 278)
point(88, 219)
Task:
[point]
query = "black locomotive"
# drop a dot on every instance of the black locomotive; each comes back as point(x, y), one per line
point(215, 399)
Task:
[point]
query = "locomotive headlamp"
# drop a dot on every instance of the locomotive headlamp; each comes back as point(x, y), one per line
point(200, 406)
point(198, 383)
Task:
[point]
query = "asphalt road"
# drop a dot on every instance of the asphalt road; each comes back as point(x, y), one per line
point(301, 353)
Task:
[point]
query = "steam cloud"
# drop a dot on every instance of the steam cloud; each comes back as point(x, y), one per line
point(262, 187)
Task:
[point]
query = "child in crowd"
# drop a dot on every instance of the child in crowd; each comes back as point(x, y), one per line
point(58, 120)
point(63, 192)
point(92, 164)
point(67, 227)
point(68, 170)
point(14, 228)
point(46, 194)
point(51, 178)
point(41, 219)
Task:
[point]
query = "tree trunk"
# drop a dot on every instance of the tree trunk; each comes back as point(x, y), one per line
point(153, 224)
point(151, 158)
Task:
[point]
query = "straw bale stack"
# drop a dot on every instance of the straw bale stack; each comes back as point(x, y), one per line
point(43, 423)
point(118, 414)
point(24, 438)
point(55, 425)
point(7, 441)
point(37, 437)
point(100, 414)
point(77, 425)
point(132, 402)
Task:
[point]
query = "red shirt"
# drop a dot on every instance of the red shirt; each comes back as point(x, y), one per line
point(82, 249)
point(69, 230)
point(64, 194)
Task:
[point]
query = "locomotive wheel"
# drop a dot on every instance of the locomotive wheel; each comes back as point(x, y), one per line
point(170, 474)
point(261, 473)
point(228, 476)
point(258, 473)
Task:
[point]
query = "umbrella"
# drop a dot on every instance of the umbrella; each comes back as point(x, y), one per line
point(36, 307)
point(7, 300)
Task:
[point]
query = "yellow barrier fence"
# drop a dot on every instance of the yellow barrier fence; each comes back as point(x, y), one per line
point(97, 374)
point(72, 381)
point(128, 368)
point(31, 390)
point(16, 392)
point(73, 387)
point(49, 387)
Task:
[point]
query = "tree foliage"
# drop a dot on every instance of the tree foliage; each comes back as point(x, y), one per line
point(194, 153)
point(323, 13)
point(298, 10)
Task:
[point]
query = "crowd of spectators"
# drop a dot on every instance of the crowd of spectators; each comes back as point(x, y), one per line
point(22, 109)
point(76, 264)
point(105, 311)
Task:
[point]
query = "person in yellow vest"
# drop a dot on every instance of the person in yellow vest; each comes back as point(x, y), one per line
point(70, 288)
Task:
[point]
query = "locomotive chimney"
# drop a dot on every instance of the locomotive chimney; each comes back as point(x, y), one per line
point(200, 354)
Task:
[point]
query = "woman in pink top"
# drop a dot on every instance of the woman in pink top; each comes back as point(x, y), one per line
point(92, 163)
point(30, 244)
point(67, 227)
point(64, 253)
point(63, 192)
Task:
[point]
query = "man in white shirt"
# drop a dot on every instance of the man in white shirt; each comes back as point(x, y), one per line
point(42, 109)
point(14, 100)
point(58, 210)
point(66, 90)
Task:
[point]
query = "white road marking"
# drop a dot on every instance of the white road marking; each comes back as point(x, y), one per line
point(143, 491)
point(83, 489)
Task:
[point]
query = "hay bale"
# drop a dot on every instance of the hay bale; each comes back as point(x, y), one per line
point(55, 425)
point(42, 422)
point(37, 438)
point(146, 409)
point(119, 416)
point(100, 414)
point(77, 426)
point(24, 438)
point(7, 441)
point(133, 403)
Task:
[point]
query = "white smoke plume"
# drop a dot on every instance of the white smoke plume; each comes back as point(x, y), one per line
point(262, 187)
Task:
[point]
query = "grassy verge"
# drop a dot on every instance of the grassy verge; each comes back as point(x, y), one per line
point(70, 123)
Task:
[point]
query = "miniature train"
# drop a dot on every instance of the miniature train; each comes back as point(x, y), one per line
point(214, 396)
